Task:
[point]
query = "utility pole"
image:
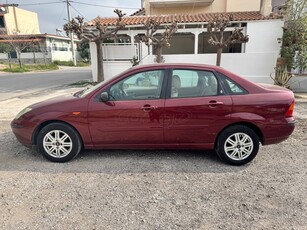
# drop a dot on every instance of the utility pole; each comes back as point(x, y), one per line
point(71, 34)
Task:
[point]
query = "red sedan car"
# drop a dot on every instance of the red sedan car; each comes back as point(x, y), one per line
point(162, 106)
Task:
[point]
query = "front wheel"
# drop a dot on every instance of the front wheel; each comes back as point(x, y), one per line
point(237, 145)
point(59, 142)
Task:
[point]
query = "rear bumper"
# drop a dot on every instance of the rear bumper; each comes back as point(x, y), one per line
point(279, 133)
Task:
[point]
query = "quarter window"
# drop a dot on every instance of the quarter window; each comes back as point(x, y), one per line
point(232, 87)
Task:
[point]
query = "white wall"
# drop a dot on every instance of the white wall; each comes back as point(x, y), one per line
point(256, 67)
point(263, 36)
point(93, 53)
point(29, 55)
point(62, 55)
point(3, 56)
point(112, 68)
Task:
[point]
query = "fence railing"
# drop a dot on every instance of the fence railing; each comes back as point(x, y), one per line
point(120, 51)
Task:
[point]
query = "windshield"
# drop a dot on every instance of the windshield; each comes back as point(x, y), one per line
point(89, 89)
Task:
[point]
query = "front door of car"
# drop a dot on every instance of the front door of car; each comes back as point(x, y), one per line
point(133, 115)
point(196, 108)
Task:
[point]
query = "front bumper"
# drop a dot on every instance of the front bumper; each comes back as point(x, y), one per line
point(23, 132)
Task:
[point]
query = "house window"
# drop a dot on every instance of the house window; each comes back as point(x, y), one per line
point(204, 46)
point(2, 22)
point(181, 43)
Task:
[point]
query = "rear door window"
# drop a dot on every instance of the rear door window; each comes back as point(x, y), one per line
point(193, 83)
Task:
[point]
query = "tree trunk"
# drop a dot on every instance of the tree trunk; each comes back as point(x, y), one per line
point(218, 56)
point(159, 54)
point(9, 56)
point(100, 74)
point(19, 59)
point(34, 58)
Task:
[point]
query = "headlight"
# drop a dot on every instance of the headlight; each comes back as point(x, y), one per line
point(23, 112)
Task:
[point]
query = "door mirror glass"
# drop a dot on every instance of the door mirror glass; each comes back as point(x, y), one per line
point(104, 96)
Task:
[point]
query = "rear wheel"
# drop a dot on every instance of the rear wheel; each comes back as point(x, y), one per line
point(237, 145)
point(59, 142)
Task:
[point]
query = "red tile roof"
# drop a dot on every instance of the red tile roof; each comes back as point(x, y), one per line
point(196, 18)
point(139, 12)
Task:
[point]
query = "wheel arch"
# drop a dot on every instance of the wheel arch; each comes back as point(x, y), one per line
point(252, 126)
point(45, 123)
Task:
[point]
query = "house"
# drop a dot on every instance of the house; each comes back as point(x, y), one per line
point(14, 20)
point(21, 27)
point(40, 48)
point(254, 60)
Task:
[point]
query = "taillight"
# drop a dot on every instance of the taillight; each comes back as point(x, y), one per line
point(289, 113)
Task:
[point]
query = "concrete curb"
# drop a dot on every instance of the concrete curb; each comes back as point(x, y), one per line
point(300, 95)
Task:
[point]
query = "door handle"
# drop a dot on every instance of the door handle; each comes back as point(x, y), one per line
point(215, 103)
point(147, 108)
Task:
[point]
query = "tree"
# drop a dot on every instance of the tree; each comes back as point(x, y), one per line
point(18, 43)
point(95, 34)
point(158, 42)
point(6, 48)
point(34, 47)
point(84, 50)
point(216, 28)
point(294, 39)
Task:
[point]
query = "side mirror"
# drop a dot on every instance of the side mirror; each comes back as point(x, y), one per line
point(125, 86)
point(104, 96)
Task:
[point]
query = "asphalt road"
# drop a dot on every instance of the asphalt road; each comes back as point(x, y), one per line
point(29, 83)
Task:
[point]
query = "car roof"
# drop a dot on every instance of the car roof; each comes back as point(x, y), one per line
point(176, 65)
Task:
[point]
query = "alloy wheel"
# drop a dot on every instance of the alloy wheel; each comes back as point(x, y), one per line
point(238, 146)
point(57, 143)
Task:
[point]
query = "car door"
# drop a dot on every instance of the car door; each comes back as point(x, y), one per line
point(133, 115)
point(196, 108)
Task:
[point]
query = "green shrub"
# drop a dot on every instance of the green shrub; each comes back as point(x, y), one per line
point(70, 63)
point(29, 67)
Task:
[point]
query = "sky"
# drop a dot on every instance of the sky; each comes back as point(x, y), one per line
point(52, 14)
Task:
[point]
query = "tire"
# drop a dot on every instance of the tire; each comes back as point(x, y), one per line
point(237, 145)
point(59, 142)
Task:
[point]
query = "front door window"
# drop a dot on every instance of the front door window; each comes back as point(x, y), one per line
point(140, 86)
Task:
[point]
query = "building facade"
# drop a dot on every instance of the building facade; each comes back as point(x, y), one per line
point(14, 20)
point(165, 7)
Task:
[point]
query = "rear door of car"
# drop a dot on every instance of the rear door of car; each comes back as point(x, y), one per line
point(197, 110)
point(134, 113)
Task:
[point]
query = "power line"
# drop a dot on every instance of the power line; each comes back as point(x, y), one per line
point(39, 3)
point(82, 3)
point(89, 4)
point(78, 12)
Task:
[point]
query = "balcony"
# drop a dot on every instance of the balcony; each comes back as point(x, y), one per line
point(166, 3)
